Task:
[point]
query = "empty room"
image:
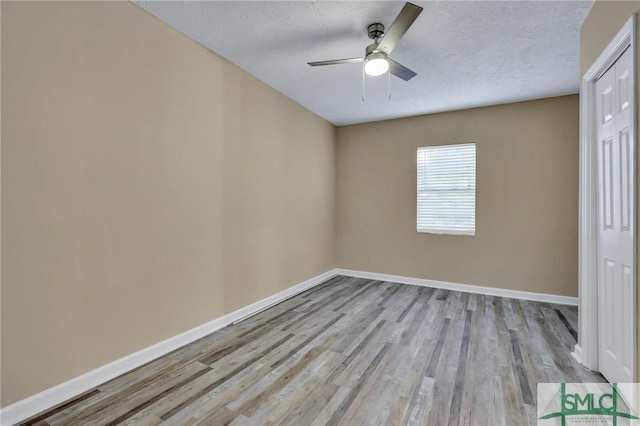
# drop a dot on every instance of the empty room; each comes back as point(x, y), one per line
point(319, 213)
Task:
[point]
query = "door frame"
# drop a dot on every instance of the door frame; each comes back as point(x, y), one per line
point(586, 351)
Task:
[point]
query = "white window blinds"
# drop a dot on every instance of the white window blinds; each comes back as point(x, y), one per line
point(447, 189)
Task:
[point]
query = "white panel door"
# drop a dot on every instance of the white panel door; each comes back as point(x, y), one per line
point(616, 221)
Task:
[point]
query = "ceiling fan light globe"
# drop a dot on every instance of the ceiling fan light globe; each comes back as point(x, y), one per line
point(377, 65)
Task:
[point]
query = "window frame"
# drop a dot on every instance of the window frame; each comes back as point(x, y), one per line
point(452, 190)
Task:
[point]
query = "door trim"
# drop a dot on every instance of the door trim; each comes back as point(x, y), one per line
point(586, 351)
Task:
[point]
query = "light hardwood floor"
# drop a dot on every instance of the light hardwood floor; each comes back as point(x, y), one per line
point(352, 352)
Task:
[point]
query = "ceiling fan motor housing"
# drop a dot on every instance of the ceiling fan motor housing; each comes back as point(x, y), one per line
point(372, 48)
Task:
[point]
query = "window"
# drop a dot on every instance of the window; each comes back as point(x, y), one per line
point(447, 189)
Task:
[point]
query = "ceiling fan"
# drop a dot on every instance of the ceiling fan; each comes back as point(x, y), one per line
point(376, 58)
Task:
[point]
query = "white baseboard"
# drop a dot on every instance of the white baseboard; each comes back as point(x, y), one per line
point(51, 397)
point(467, 288)
point(577, 353)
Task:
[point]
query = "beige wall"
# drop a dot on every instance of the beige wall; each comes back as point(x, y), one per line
point(527, 197)
point(604, 21)
point(148, 187)
point(602, 24)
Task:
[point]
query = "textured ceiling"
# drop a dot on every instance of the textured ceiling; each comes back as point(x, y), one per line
point(466, 53)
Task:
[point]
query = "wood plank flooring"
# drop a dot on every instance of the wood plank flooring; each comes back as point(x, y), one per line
point(351, 352)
